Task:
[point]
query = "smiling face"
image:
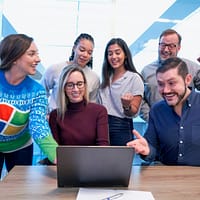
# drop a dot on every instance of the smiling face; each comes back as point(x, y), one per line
point(75, 87)
point(168, 46)
point(28, 62)
point(83, 52)
point(172, 87)
point(116, 56)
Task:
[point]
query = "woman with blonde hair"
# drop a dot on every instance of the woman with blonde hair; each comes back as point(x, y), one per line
point(77, 121)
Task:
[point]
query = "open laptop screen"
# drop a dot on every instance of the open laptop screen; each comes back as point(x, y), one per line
point(83, 166)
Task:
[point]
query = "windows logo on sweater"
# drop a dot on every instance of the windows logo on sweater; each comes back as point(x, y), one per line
point(12, 120)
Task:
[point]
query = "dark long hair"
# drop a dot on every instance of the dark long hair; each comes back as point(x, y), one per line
point(80, 37)
point(13, 47)
point(107, 69)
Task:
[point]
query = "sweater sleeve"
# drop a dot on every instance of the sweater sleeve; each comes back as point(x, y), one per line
point(54, 126)
point(39, 127)
point(102, 127)
point(48, 146)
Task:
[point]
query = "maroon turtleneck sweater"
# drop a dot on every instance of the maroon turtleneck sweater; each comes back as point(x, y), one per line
point(83, 124)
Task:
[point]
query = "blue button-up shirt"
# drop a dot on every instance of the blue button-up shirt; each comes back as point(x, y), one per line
point(175, 140)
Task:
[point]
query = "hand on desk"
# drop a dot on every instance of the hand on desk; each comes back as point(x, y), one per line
point(140, 144)
point(46, 161)
point(55, 161)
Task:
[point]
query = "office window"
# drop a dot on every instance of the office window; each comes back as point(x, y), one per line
point(55, 24)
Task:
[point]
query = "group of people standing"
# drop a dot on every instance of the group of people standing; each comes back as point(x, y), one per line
point(116, 99)
point(82, 110)
point(78, 113)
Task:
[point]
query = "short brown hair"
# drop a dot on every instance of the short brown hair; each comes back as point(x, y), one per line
point(169, 32)
point(172, 63)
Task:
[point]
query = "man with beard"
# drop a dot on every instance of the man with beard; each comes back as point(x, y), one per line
point(172, 135)
point(169, 45)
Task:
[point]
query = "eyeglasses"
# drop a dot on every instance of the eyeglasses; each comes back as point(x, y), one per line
point(170, 46)
point(71, 85)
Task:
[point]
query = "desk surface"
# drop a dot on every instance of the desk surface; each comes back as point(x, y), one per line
point(165, 183)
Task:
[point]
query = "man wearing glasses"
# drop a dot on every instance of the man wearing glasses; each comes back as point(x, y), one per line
point(169, 46)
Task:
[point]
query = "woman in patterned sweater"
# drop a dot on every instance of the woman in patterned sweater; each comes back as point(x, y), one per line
point(23, 104)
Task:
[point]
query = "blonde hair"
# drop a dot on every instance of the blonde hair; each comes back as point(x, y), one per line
point(62, 98)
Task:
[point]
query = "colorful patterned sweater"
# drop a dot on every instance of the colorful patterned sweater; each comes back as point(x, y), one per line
point(23, 109)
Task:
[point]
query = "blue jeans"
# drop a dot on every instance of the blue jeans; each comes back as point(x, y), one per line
point(120, 130)
point(21, 157)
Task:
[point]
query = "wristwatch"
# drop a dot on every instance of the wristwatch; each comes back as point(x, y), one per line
point(127, 108)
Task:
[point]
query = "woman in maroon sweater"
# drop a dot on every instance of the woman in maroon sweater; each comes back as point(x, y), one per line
point(77, 121)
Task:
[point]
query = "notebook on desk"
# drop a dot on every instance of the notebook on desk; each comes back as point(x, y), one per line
point(94, 166)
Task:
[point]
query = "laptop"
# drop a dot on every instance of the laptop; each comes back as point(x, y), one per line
point(94, 166)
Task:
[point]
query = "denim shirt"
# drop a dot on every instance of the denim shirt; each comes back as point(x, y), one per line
point(175, 140)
